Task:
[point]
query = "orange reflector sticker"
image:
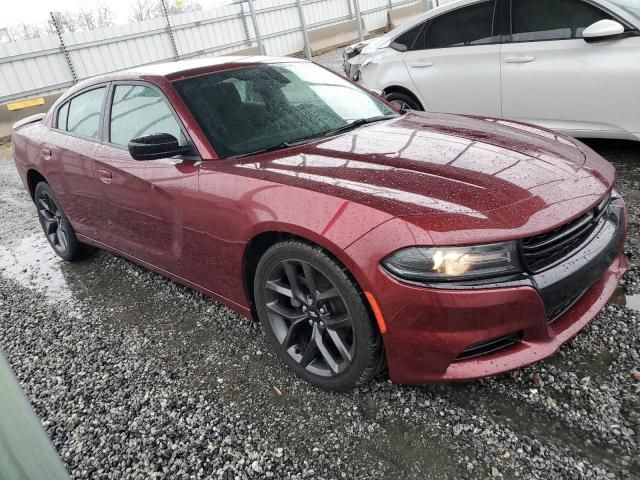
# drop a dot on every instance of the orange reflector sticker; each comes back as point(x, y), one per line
point(376, 312)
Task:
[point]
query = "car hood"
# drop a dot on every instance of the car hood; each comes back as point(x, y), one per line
point(425, 164)
point(371, 46)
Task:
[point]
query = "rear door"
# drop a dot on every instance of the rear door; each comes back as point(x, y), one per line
point(145, 201)
point(71, 148)
point(552, 77)
point(455, 61)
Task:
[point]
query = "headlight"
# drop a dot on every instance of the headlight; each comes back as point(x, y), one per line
point(438, 264)
point(353, 50)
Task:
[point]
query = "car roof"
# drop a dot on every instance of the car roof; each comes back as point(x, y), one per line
point(182, 69)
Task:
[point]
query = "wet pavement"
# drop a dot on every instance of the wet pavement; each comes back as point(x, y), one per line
point(135, 376)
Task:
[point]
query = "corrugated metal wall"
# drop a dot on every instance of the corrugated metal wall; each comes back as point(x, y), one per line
point(38, 67)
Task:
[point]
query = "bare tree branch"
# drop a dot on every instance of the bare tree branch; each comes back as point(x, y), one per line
point(104, 16)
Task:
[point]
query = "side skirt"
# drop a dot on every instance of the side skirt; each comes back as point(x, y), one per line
point(241, 309)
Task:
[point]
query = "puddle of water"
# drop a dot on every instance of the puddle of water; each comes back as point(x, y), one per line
point(624, 300)
point(33, 264)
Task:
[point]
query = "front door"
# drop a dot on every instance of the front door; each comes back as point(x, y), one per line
point(552, 77)
point(145, 201)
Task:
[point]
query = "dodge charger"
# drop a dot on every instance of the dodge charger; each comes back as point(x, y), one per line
point(363, 238)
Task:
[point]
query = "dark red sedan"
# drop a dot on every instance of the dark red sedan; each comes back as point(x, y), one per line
point(445, 247)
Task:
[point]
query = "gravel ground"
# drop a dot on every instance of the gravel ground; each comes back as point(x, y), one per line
point(134, 376)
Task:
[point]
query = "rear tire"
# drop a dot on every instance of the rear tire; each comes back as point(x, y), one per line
point(56, 225)
point(315, 317)
point(403, 101)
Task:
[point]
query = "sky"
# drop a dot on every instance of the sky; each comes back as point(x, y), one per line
point(37, 11)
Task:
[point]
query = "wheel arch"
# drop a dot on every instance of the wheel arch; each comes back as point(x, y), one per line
point(33, 178)
point(406, 91)
point(261, 242)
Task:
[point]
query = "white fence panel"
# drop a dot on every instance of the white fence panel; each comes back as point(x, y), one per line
point(209, 32)
point(44, 65)
point(375, 14)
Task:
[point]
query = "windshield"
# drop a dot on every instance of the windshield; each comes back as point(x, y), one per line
point(631, 6)
point(259, 107)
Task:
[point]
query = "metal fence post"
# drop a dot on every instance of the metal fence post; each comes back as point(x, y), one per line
point(63, 47)
point(245, 25)
point(303, 29)
point(356, 7)
point(254, 20)
point(169, 30)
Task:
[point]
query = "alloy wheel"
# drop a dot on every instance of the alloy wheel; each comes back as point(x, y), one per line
point(309, 317)
point(53, 222)
point(400, 105)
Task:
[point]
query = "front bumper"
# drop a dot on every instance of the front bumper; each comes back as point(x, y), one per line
point(431, 331)
point(352, 71)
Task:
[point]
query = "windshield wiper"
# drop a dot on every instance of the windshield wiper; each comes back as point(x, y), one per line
point(357, 124)
point(278, 146)
point(345, 128)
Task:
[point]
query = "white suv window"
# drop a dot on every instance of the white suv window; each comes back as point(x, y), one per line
point(539, 20)
point(472, 25)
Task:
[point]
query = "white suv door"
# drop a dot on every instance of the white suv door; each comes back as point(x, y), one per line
point(455, 61)
point(554, 78)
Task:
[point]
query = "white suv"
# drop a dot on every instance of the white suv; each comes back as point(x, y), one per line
point(569, 65)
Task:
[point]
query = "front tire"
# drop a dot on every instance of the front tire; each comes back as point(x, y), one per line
point(55, 224)
point(403, 101)
point(314, 315)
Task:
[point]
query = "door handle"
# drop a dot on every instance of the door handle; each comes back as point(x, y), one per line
point(105, 175)
point(528, 59)
point(46, 153)
point(421, 65)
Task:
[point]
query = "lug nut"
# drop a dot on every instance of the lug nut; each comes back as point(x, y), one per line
point(323, 311)
point(304, 308)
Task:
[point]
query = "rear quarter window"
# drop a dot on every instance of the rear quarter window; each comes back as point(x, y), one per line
point(63, 113)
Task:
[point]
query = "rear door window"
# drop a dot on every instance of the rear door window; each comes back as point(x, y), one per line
point(467, 26)
point(540, 20)
point(83, 116)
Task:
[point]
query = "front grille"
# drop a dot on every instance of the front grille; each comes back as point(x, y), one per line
point(547, 250)
point(485, 348)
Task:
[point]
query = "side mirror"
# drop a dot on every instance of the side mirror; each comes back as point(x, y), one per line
point(155, 146)
point(398, 46)
point(603, 30)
